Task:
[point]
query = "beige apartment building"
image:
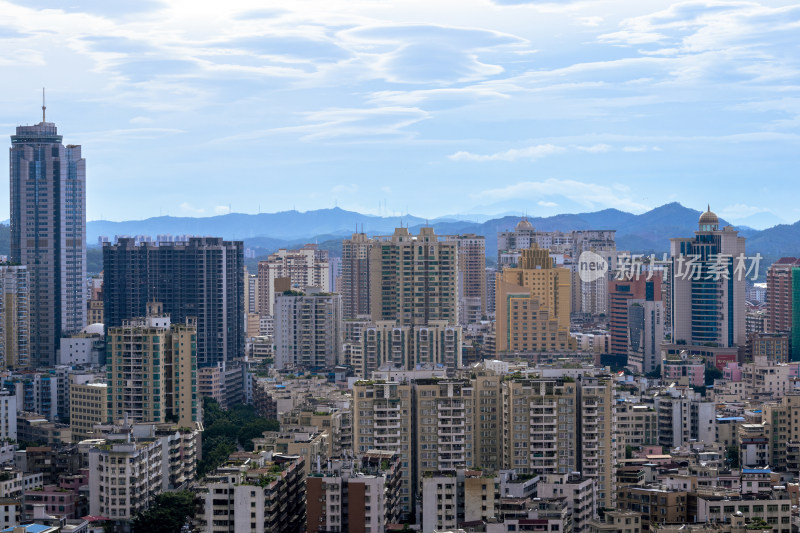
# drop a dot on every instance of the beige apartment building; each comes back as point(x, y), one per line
point(414, 278)
point(303, 268)
point(356, 275)
point(782, 428)
point(382, 420)
point(152, 370)
point(532, 305)
point(471, 276)
point(14, 317)
point(559, 426)
point(88, 406)
point(387, 342)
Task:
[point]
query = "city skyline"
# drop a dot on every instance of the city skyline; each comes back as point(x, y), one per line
point(602, 104)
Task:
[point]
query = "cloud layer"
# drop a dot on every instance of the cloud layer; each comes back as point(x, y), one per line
point(500, 105)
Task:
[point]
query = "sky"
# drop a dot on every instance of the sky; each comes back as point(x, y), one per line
point(434, 107)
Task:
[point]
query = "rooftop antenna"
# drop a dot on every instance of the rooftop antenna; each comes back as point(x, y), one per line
point(44, 107)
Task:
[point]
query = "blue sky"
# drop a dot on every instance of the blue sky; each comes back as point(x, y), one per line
point(429, 107)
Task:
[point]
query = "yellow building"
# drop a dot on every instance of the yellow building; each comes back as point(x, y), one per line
point(152, 370)
point(94, 312)
point(88, 406)
point(532, 305)
point(14, 317)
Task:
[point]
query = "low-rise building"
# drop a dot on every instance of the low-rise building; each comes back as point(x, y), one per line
point(617, 522)
point(656, 504)
point(88, 407)
point(124, 476)
point(314, 447)
point(449, 501)
point(358, 499)
point(261, 497)
point(774, 508)
point(579, 493)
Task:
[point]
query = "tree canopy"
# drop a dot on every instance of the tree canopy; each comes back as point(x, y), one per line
point(225, 431)
point(167, 513)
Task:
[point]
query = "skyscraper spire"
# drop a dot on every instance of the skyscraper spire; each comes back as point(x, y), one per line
point(44, 107)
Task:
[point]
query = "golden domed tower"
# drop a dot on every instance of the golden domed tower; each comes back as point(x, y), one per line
point(709, 221)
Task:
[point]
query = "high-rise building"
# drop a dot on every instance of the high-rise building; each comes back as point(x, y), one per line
point(511, 243)
point(491, 274)
point(795, 341)
point(405, 347)
point(201, 279)
point(708, 307)
point(356, 275)
point(251, 292)
point(471, 274)
point(308, 330)
point(779, 294)
point(382, 420)
point(587, 296)
point(560, 426)
point(636, 319)
point(48, 233)
point(533, 305)
point(645, 334)
point(414, 278)
point(14, 317)
point(8, 416)
point(304, 268)
point(152, 370)
point(443, 422)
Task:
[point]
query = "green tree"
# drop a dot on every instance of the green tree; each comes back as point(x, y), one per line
point(712, 373)
point(732, 456)
point(255, 429)
point(655, 374)
point(225, 430)
point(167, 513)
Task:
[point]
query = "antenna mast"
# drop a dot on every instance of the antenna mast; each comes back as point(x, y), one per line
point(44, 107)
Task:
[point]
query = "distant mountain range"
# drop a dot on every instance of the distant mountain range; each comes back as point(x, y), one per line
point(645, 233)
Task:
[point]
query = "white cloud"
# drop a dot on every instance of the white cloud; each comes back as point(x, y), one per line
point(222, 209)
point(544, 203)
point(538, 151)
point(741, 211)
point(641, 148)
point(591, 22)
point(588, 195)
point(531, 152)
point(595, 148)
point(402, 83)
point(189, 208)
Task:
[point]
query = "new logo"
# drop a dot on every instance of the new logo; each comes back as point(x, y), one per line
point(591, 267)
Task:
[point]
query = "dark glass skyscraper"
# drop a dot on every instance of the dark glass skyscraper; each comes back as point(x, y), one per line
point(201, 278)
point(48, 233)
